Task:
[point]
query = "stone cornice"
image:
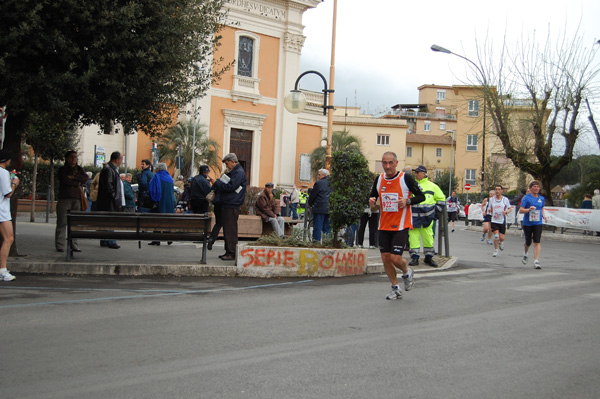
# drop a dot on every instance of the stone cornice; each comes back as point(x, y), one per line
point(244, 118)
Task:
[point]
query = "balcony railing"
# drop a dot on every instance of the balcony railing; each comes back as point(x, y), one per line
point(246, 88)
point(412, 114)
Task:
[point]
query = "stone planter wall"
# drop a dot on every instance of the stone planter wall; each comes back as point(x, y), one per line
point(262, 261)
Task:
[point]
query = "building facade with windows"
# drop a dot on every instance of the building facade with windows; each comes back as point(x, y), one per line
point(244, 110)
point(466, 104)
point(429, 139)
point(377, 135)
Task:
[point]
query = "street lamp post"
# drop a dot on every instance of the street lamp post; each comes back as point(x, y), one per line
point(441, 49)
point(295, 102)
point(451, 160)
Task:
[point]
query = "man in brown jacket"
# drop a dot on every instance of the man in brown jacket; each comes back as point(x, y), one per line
point(71, 177)
point(265, 208)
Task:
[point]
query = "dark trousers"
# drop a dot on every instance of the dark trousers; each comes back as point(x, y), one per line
point(199, 205)
point(218, 211)
point(373, 228)
point(230, 229)
point(320, 225)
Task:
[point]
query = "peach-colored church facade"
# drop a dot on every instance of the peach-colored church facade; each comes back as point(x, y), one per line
point(244, 110)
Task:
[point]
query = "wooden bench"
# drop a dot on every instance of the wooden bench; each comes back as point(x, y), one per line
point(138, 227)
point(252, 226)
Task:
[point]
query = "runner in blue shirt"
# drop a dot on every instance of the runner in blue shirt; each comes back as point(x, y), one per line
point(532, 206)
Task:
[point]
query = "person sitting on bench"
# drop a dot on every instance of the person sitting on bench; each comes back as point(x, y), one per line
point(267, 210)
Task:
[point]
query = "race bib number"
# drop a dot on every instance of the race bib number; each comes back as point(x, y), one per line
point(534, 216)
point(389, 202)
point(498, 215)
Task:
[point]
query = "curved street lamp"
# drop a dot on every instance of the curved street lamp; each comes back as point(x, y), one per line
point(295, 102)
point(440, 49)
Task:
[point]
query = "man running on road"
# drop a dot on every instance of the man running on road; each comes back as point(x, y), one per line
point(394, 190)
point(499, 207)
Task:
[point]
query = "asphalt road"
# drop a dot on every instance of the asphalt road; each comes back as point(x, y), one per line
point(491, 328)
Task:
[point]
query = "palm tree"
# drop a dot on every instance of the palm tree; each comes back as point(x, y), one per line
point(340, 141)
point(182, 135)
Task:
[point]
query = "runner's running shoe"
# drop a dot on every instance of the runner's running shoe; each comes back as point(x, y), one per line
point(395, 294)
point(6, 276)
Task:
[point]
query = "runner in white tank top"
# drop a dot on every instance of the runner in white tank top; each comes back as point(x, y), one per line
point(499, 207)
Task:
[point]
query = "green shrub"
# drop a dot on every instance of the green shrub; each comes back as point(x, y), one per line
point(350, 186)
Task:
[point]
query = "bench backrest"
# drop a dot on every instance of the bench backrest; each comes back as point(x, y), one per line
point(123, 221)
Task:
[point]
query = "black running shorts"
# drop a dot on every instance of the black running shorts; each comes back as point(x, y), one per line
point(393, 241)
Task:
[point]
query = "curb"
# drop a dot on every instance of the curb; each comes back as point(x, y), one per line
point(187, 270)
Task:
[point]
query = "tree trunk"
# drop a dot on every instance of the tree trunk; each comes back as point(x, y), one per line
point(33, 189)
point(547, 189)
point(52, 186)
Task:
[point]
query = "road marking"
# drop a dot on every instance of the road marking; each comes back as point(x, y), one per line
point(554, 285)
point(452, 273)
point(12, 287)
point(533, 275)
point(154, 293)
point(593, 296)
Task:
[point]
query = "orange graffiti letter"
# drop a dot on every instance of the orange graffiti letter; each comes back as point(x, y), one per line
point(247, 252)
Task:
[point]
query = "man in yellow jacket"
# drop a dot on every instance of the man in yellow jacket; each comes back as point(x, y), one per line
point(423, 215)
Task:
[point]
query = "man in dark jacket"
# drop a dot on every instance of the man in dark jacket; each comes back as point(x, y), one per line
point(71, 177)
point(199, 189)
point(318, 200)
point(144, 179)
point(110, 192)
point(232, 192)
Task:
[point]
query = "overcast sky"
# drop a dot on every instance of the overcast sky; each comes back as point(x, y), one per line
point(383, 46)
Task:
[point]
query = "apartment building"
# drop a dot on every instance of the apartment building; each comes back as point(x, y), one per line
point(377, 135)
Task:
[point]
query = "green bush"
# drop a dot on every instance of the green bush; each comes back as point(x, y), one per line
point(350, 186)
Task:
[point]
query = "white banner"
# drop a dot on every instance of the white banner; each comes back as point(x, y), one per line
point(583, 219)
point(476, 213)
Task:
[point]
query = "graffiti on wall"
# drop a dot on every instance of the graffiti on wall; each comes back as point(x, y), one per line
point(305, 261)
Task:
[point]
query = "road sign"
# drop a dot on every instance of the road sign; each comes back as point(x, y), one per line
point(467, 186)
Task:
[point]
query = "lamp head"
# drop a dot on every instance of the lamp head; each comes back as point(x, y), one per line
point(295, 101)
point(440, 49)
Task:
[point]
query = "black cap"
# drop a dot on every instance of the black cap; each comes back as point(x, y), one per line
point(204, 169)
point(269, 184)
point(4, 156)
point(420, 168)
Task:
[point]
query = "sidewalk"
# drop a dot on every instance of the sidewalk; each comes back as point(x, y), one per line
point(35, 245)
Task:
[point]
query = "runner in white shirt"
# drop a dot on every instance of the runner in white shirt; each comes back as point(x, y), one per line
point(8, 185)
point(498, 207)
